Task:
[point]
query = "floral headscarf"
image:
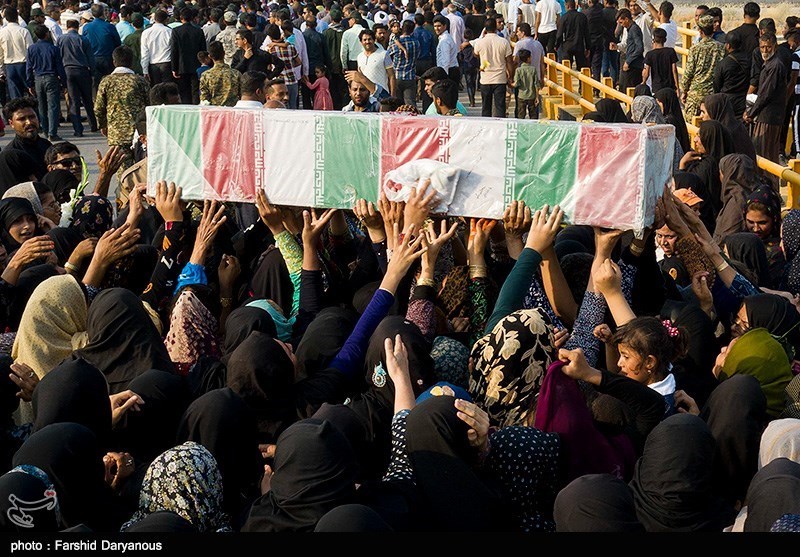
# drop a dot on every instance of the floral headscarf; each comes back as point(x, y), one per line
point(509, 366)
point(450, 361)
point(92, 216)
point(184, 480)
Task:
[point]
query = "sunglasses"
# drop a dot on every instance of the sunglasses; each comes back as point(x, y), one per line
point(72, 161)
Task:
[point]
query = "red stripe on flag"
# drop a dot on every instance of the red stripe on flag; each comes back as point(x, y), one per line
point(228, 156)
point(409, 138)
point(603, 151)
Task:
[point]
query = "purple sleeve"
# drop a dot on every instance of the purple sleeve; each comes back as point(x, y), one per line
point(351, 356)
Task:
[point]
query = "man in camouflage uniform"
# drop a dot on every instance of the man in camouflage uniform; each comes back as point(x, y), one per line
point(121, 97)
point(228, 36)
point(219, 86)
point(698, 76)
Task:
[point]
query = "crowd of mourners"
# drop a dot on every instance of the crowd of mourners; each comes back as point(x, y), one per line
point(174, 366)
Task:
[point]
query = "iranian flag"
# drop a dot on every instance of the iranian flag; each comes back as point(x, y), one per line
point(601, 174)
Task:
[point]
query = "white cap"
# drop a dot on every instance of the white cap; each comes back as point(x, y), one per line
point(380, 17)
point(36, 5)
point(87, 15)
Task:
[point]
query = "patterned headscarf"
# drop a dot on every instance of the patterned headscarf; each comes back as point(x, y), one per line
point(525, 461)
point(766, 196)
point(192, 332)
point(450, 361)
point(92, 215)
point(781, 439)
point(790, 235)
point(509, 366)
point(184, 480)
point(645, 110)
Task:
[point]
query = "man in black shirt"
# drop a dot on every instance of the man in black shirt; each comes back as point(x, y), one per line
point(475, 20)
point(661, 63)
point(572, 40)
point(21, 115)
point(601, 32)
point(732, 74)
point(748, 31)
point(768, 110)
point(249, 58)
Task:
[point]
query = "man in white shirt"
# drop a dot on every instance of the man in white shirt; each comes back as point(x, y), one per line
point(252, 84)
point(456, 24)
point(71, 9)
point(497, 69)
point(548, 13)
point(14, 43)
point(664, 17)
point(351, 45)
point(52, 19)
point(374, 62)
point(446, 50)
point(156, 54)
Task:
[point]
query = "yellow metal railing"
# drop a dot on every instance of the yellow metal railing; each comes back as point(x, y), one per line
point(560, 81)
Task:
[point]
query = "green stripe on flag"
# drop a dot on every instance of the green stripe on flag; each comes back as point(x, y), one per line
point(352, 160)
point(541, 162)
point(185, 127)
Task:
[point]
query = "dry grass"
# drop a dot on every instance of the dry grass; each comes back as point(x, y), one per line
point(732, 12)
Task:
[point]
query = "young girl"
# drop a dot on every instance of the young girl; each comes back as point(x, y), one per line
point(647, 347)
point(321, 88)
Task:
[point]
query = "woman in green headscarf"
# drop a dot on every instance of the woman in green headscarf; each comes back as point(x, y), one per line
point(758, 354)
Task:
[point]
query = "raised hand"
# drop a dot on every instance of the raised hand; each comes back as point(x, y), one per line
point(109, 163)
point(479, 231)
point(115, 244)
point(607, 277)
point(270, 214)
point(369, 216)
point(168, 201)
point(436, 241)
point(136, 204)
point(212, 220)
point(392, 213)
point(313, 225)
point(544, 228)
point(228, 271)
point(517, 219)
point(418, 206)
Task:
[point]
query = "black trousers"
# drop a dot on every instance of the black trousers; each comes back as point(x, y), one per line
point(548, 41)
point(79, 89)
point(160, 73)
point(307, 94)
point(339, 91)
point(629, 78)
point(493, 100)
point(102, 67)
point(596, 61)
point(189, 88)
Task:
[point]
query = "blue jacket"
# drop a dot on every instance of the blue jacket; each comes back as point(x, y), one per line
point(102, 36)
point(44, 58)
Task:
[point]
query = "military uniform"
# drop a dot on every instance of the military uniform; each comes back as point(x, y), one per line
point(121, 97)
point(220, 86)
point(228, 39)
point(698, 76)
point(134, 42)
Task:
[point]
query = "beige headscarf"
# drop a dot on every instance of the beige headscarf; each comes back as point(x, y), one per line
point(781, 439)
point(52, 325)
point(26, 190)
